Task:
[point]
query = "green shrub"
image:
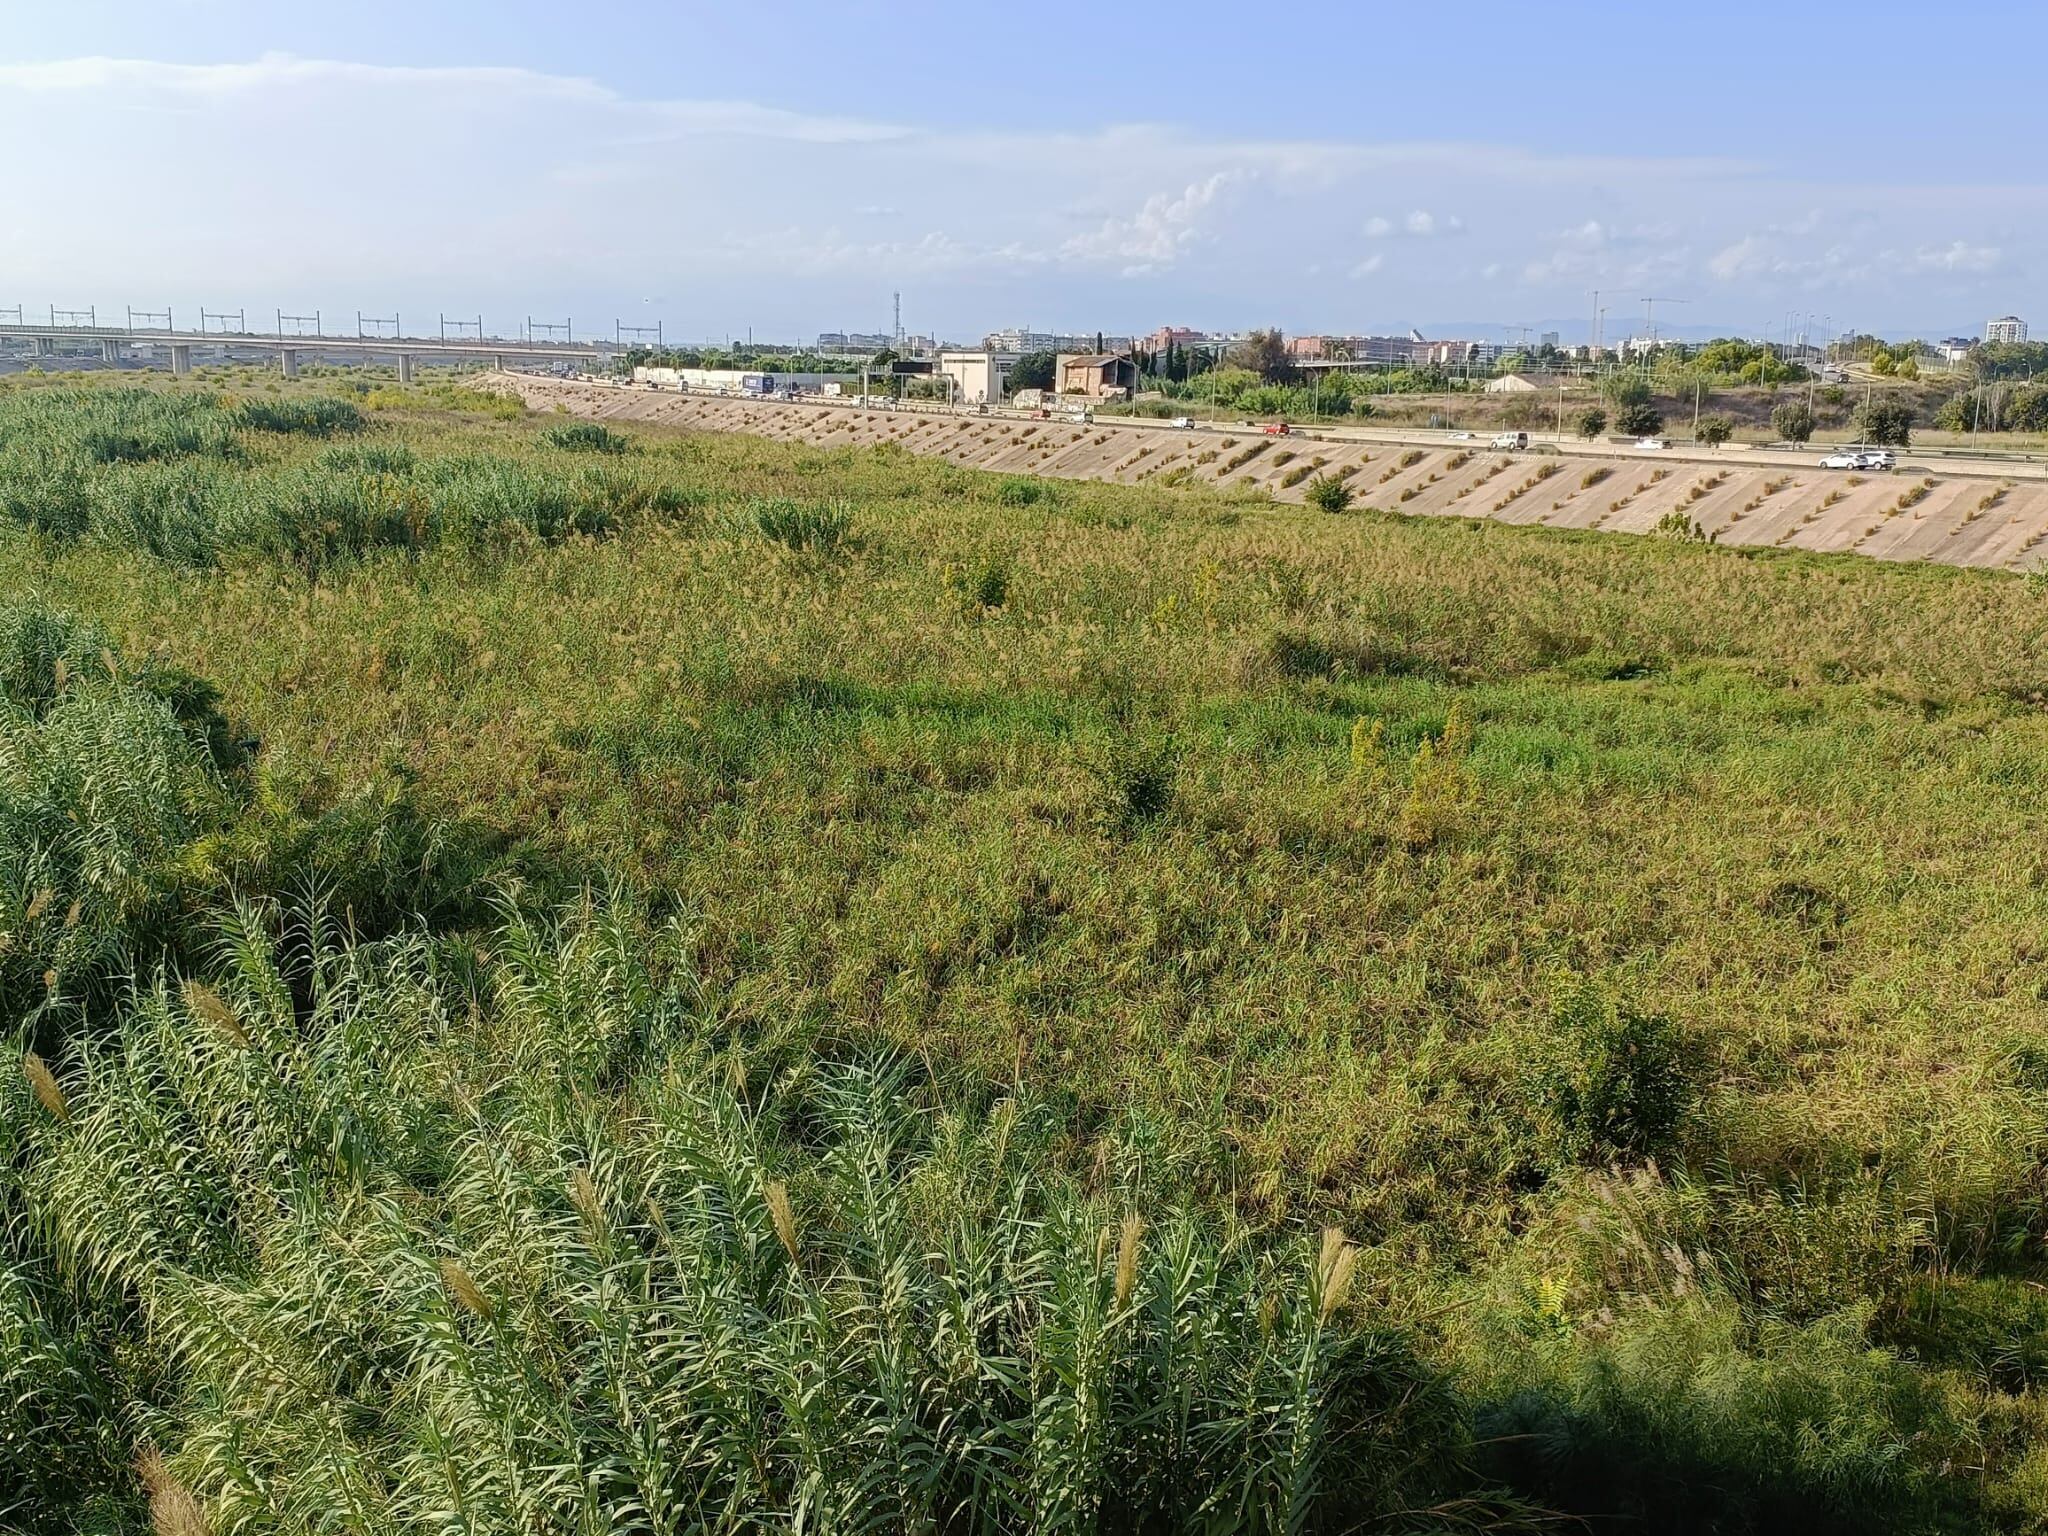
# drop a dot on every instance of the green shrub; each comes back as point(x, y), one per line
point(1328, 493)
point(1020, 491)
point(1885, 419)
point(1678, 525)
point(897, 1316)
point(173, 511)
point(1610, 1081)
point(807, 528)
point(52, 496)
point(306, 415)
point(369, 459)
point(1135, 770)
point(586, 437)
point(1793, 421)
point(1639, 419)
point(102, 788)
point(982, 585)
point(1683, 1419)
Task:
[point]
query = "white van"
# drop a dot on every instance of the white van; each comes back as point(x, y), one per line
point(1511, 440)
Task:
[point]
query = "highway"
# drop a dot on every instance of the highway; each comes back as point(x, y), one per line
point(1946, 461)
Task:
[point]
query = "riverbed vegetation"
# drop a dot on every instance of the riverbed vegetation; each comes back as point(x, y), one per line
point(594, 979)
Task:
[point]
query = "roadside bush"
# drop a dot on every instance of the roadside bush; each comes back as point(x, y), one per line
point(1592, 421)
point(2026, 409)
point(1678, 525)
point(1622, 390)
point(1639, 419)
point(1328, 493)
point(1793, 421)
point(1715, 430)
point(1885, 419)
point(1963, 413)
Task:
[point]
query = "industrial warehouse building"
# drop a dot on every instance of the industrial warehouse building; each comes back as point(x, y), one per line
point(745, 381)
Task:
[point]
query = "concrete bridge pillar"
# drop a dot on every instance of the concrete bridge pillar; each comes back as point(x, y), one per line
point(181, 359)
point(110, 350)
point(498, 362)
point(288, 362)
point(405, 367)
point(46, 346)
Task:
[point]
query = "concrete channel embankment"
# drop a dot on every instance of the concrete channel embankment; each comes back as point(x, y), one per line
point(1914, 513)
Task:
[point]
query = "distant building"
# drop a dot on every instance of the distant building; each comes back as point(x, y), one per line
point(853, 341)
point(2007, 328)
point(1548, 339)
point(1395, 350)
point(1097, 375)
point(1174, 336)
point(1053, 341)
point(979, 378)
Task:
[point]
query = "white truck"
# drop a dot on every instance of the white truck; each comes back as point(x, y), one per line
point(1511, 440)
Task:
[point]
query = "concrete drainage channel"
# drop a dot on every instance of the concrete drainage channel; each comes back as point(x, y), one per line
point(1912, 515)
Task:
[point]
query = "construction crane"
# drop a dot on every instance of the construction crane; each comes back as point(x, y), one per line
point(1649, 314)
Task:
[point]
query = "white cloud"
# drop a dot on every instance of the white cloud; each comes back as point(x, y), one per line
point(480, 187)
point(1155, 235)
point(1957, 256)
point(275, 72)
point(1418, 225)
point(1744, 256)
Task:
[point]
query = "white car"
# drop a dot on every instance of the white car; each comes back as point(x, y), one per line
point(1512, 440)
point(1459, 437)
point(1183, 423)
point(1842, 461)
point(1879, 458)
point(1653, 444)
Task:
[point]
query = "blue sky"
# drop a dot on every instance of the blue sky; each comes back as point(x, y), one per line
point(785, 167)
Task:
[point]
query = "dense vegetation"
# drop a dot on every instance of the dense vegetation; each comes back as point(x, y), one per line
point(687, 983)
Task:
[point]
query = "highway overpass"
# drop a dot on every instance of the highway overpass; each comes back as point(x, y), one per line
point(114, 340)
